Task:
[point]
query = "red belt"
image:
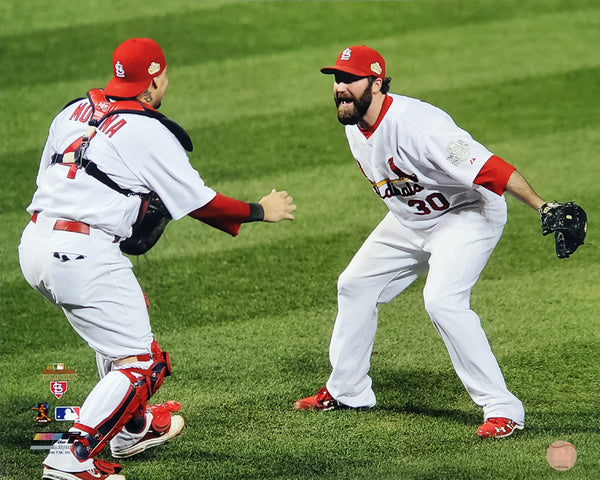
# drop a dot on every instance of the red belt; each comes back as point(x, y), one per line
point(68, 225)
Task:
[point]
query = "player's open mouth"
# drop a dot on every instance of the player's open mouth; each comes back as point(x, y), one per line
point(344, 101)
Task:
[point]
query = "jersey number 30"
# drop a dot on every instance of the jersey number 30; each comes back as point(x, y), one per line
point(435, 201)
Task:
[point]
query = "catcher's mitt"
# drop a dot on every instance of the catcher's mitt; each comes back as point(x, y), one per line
point(568, 221)
point(148, 229)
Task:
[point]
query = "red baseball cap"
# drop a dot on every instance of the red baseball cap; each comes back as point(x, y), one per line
point(135, 62)
point(361, 61)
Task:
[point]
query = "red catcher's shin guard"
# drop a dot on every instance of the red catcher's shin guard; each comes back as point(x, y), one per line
point(142, 384)
point(93, 439)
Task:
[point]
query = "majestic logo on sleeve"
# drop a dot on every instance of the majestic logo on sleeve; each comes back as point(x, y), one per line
point(458, 152)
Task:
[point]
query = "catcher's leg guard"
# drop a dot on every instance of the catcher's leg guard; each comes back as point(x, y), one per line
point(136, 386)
point(95, 435)
point(160, 369)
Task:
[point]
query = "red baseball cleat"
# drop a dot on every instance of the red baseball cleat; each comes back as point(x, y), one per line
point(100, 471)
point(498, 427)
point(323, 401)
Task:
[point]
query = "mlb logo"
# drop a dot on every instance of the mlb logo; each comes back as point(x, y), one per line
point(58, 389)
point(65, 414)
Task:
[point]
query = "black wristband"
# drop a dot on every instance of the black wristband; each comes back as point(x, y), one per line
point(257, 213)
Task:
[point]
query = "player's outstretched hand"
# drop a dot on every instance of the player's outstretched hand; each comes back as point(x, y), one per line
point(277, 206)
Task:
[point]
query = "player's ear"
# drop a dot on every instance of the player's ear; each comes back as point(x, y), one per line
point(158, 81)
point(376, 85)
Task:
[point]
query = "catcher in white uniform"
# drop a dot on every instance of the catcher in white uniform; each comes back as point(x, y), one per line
point(446, 214)
point(103, 157)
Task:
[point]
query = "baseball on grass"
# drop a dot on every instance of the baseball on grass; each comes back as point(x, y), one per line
point(561, 455)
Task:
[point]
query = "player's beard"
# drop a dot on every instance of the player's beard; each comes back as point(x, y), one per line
point(350, 114)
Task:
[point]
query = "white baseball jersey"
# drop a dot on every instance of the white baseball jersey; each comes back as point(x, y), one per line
point(422, 164)
point(87, 275)
point(136, 151)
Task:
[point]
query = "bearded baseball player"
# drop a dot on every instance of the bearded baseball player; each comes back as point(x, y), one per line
point(110, 163)
point(446, 214)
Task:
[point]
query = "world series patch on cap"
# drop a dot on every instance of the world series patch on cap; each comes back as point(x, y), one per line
point(360, 60)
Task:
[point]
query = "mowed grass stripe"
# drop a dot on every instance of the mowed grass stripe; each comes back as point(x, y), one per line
point(50, 15)
point(422, 65)
point(506, 113)
point(222, 363)
point(239, 29)
point(56, 16)
point(500, 50)
point(300, 84)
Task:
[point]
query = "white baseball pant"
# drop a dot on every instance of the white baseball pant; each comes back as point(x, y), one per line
point(93, 284)
point(455, 250)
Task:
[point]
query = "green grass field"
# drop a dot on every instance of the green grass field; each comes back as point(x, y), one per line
point(248, 320)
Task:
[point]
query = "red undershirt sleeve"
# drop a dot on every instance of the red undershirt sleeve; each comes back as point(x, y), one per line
point(494, 175)
point(228, 214)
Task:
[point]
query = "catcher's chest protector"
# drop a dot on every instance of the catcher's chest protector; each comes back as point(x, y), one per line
point(103, 109)
point(103, 115)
